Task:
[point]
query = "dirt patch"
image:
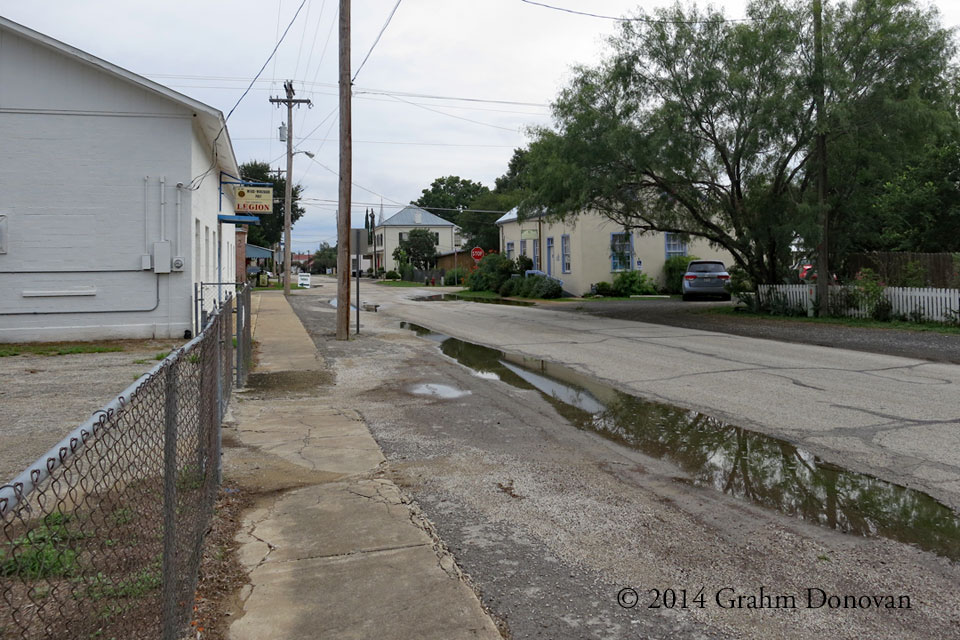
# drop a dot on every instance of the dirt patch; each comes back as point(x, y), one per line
point(221, 574)
point(289, 381)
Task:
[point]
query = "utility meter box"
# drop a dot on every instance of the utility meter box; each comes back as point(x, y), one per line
point(161, 257)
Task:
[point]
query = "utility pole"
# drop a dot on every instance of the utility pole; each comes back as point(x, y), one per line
point(346, 179)
point(290, 101)
point(823, 268)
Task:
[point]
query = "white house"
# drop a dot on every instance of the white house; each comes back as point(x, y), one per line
point(110, 192)
point(388, 233)
point(590, 248)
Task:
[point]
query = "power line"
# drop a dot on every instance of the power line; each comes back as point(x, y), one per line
point(398, 142)
point(373, 46)
point(216, 156)
point(357, 90)
point(637, 19)
point(450, 115)
point(357, 185)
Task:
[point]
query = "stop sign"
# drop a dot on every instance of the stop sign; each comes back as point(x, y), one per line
point(476, 253)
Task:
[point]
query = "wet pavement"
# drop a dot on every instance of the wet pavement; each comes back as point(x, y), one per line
point(552, 518)
point(767, 471)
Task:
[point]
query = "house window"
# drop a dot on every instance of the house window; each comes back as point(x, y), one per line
point(523, 247)
point(510, 250)
point(403, 236)
point(436, 238)
point(674, 245)
point(536, 254)
point(565, 253)
point(550, 255)
point(621, 251)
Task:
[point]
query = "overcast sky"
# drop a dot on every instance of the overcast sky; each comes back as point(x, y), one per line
point(411, 123)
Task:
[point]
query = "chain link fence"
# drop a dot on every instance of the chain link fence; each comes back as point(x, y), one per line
point(102, 537)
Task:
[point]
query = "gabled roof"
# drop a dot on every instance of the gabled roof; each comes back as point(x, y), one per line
point(413, 216)
point(211, 120)
point(509, 216)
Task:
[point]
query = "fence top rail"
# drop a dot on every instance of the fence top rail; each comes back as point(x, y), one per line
point(14, 492)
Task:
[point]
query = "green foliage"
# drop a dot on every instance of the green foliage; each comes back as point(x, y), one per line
point(868, 291)
point(633, 283)
point(454, 276)
point(479, 228)
point(419, 248)
point(538, 287)
point(914, 275)
point(391, 275)
point(523, 263)
point(510, 287)
point(700, 126)
point(270, 229)
point(43, 552)
point(491, 273)
point(325, 258)
point(406, 272)
point(55, 349)
point(139, 584)
point(604, 289)
point(448, 194)
point(673, 270)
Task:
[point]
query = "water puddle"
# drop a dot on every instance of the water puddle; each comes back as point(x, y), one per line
point(446, 297)
point(443, 391)
point(767, 471)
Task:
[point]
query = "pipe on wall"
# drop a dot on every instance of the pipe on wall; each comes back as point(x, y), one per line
point(163, 207)
point(146, 217)
point(179, 225)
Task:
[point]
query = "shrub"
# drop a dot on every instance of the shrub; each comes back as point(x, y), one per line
point(391, 275)
point(868, 292)
point(524, 263)
point(510, 287)
point(491, 273)
point(673, 270)
point(604, 289)
point(454, 276)
point(406, 272)
point(633, 283)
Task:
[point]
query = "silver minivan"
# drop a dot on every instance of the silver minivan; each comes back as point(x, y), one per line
point(706, 278)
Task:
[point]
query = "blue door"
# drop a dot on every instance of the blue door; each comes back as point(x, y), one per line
point(549, 256)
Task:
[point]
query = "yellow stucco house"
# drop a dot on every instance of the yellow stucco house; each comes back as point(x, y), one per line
point(590, 248)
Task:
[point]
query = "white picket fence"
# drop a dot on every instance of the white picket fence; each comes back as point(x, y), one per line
point(913, 303)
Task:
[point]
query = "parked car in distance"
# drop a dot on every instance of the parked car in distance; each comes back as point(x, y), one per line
point(706, 278)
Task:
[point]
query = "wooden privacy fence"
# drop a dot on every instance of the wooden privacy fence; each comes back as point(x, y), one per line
point(913, 303)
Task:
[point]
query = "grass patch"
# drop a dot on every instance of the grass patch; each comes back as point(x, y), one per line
point(42, 552)
point(399, 283)
point(859, 323)
point(56, 349)
point(139, 584)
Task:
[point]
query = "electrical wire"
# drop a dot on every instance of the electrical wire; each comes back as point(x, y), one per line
point(450, 115)
point(194, 185)
point(373, 46)
point(638, 19)
point(399, 142)
point(359, 186)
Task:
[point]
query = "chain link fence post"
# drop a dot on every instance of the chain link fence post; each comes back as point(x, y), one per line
point(170, 506)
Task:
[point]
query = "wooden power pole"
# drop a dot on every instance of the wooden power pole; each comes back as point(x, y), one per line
point(346, 179)
point(823, 267)
point(290, 101)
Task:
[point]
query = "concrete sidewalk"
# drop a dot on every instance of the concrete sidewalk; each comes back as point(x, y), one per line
point(346, 556)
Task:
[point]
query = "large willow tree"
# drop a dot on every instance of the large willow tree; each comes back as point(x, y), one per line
point(705, 127)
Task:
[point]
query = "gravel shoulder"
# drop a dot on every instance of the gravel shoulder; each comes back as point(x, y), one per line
point(42, 398)
point(925, 345)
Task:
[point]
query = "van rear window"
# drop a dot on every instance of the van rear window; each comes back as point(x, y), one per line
point(706, 267)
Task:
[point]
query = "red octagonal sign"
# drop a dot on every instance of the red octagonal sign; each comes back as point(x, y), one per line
point(476, 253)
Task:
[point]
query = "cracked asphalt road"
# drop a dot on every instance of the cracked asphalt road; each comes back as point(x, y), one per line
point(550, 521)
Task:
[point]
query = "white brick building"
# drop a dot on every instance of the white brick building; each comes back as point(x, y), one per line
point(105, 223)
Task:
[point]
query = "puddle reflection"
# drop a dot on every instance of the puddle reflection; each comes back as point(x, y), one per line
point(752, 466)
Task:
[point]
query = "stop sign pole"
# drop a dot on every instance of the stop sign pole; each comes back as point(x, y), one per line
point(477, 254)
